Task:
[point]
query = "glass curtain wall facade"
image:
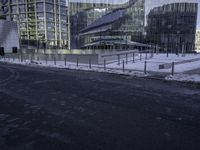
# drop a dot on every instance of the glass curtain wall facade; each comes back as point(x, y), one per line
point(173, 26)
point(106, 24)
point(41, 22)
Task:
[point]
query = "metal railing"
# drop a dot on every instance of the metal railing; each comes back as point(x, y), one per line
point(123, 59)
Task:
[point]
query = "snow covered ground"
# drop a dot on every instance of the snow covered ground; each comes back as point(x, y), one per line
point(70, 65)
point(133, 69)
point(153, 63)
point(184, 77)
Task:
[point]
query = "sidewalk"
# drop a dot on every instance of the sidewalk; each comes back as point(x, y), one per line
point(142, 66)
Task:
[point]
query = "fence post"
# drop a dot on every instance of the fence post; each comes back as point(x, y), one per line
point(145, 67)
point(126, 58)
point(90, 66)
point(172, 68)
point(46, 59)
point(77, 62)
point(104, 64)
point(123, 66)
point(21, 57)
point(152, 53)
point(157, 50)
point(31, 57)
point(167, 53)
point(118, 59)
point(65, 61)
point(54, 60)
point(133, 57)
point(145, 55)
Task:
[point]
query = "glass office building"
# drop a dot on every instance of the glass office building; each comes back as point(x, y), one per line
point(41, 22)
point(106, 24)
point(173, 26)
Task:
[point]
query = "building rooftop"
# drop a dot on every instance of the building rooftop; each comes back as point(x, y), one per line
point(105, 20)
point(175, 7)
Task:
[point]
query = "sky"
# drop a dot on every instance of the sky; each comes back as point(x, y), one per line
point(149, 4)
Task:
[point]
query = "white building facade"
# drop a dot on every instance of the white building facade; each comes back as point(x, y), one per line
point(197, 41)
point(9, 37)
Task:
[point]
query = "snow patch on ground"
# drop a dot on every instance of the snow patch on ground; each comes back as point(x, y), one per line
point(83, 67)
point(153, 63)
point(184, 77)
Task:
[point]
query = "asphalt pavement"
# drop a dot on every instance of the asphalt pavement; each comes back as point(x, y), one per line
point(59, 109)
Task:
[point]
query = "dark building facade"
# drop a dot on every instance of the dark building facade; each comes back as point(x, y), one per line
point(173, 26)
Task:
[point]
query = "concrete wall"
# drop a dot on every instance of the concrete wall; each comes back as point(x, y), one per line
point(83, 59)
point(8, 35)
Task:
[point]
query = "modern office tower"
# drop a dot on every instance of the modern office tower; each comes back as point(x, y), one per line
point(173, 26)
point(106, 24)
point(197, 41)
point(42, 23)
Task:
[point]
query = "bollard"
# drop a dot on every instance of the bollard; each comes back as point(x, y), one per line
point(46, 59)
point(123, 66)
point(54, 60)
point(118, 59)
point(140, 56)
point(21, 57)
point(90, 65)
point(104, 64)
point(172, 68)
point(133, 57)
point(145, 55)
point(152, 54)
point(65, 61)
point(31, 57)
point(126, 58)
point(145, 67)
point(77, 62)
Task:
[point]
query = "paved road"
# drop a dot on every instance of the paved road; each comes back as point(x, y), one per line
point(49, 109)
point(193, 72)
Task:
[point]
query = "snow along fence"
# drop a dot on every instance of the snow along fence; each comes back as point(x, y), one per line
point(89, 61)
point(120, 55)
point(169, 65)
point(83, 59)
point(130, 62)
point(96, 59)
